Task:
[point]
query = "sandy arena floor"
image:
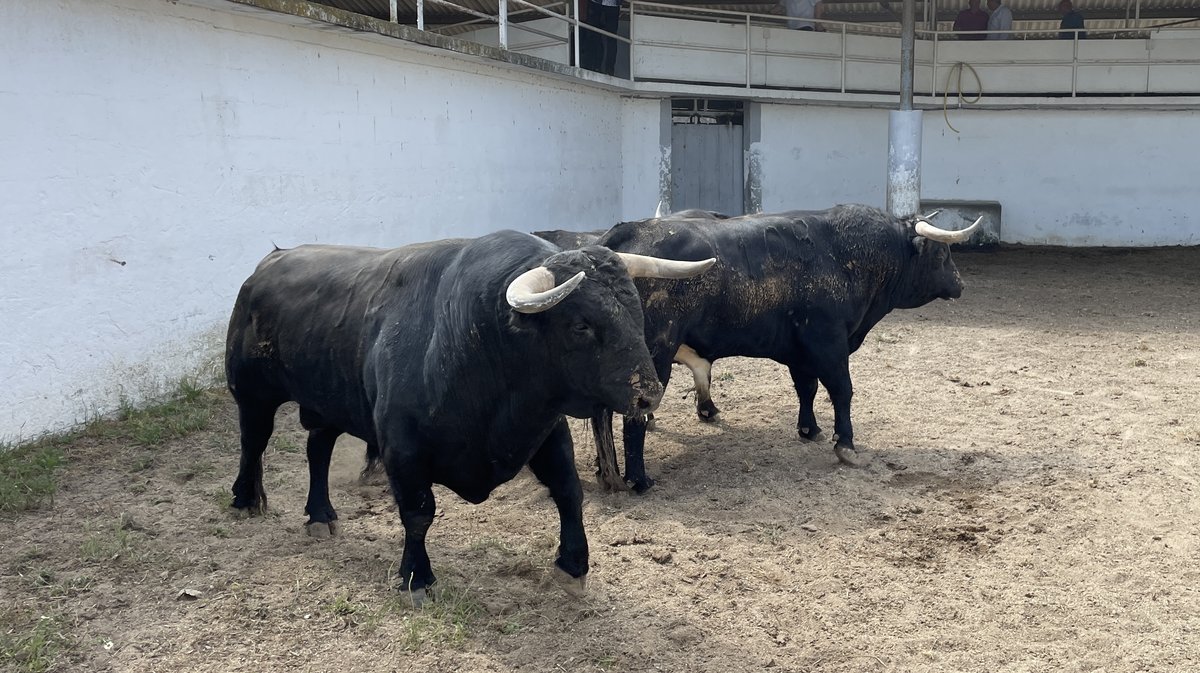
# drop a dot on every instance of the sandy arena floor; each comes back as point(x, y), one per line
point(1033, 505)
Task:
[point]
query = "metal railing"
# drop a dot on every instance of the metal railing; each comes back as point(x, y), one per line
point(749, 22)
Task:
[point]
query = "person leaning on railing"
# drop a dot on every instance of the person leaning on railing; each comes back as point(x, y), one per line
point(972, 18)
point(1071, 20)
point(1000, 20)
point(599, 52)
point(801, 14)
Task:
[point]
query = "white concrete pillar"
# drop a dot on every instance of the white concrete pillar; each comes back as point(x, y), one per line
point(904, 162)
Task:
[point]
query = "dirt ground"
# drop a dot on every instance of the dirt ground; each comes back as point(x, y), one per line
point(1033, 505)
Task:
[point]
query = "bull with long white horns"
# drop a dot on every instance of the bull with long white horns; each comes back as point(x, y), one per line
point(455, 361)
point(802, 288)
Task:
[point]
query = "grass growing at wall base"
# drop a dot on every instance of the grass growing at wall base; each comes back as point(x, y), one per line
point(27, 471)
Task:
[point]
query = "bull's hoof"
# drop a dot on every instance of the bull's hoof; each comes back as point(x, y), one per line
point(576, 587)
point(417, 598)
point(651, 425)
point(848, 455)
point(811, 434)
point(322, 530)
point(640, 486)
point(707, 411)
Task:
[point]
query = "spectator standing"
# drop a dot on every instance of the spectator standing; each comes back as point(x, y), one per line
point(1000, 19)
point(599, 52)
point(972, 18)
point(801, 14)
point(1071, 20)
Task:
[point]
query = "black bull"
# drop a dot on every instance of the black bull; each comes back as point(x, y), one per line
point(802, 288)
point(455, 361)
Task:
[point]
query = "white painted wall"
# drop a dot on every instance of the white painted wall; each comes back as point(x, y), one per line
point(153, 152)
point(1062, 177)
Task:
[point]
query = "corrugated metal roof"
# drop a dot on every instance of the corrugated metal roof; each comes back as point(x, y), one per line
point(1027, 14)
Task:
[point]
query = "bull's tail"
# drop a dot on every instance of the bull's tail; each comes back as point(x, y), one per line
point(372, 462)
point(609, 473)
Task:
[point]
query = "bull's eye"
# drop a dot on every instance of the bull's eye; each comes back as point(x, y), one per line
point(581, 328)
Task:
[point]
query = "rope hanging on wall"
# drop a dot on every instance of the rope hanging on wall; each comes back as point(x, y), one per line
point(962, 99)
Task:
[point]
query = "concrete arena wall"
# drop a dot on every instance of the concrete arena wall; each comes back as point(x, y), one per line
point(1063, 177)
point(154, 152)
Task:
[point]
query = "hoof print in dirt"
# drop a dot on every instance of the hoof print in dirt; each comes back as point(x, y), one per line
point(576, 587)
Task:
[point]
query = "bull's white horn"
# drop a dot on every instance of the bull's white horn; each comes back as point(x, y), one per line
point(642, 266)
point(534, 291)
point(942, 235)
point(661, 210)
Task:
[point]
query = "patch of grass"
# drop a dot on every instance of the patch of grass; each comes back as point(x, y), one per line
point(1139, 363)
point(725, 377)
point(486, 543)
point(220, 531)
point(27, 474)
point(447, 620)
point(110, 544)
point(509, 628)
point(606, 662)
point(200, 468)
point(190, 409)
point(32, 648)
point(284, 443)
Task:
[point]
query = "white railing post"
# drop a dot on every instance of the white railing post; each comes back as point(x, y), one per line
point(420, 14)
point(933, 67)
point(747, 51)
point(1074, 61)
point(843, 58)
point(632, 11)
point(575, 13)
point(394, 11)
point(504, 24)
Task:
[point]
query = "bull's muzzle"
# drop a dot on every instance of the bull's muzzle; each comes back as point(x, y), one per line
point(647, 394)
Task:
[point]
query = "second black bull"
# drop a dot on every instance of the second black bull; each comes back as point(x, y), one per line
point(802, 288)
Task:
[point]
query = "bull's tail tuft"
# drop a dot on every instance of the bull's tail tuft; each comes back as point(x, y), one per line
point(609, 473)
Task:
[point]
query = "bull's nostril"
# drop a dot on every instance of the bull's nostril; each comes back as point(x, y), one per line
point(643, 403)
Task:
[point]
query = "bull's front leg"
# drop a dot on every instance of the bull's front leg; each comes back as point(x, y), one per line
point(413, 490)
point(633, 430)
point(554, 466)
point(633, 435)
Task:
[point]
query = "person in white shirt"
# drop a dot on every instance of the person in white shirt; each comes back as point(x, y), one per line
point(801, 13)
point(1001, 19)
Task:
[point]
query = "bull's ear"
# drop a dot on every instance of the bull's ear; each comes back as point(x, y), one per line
point(918, 244)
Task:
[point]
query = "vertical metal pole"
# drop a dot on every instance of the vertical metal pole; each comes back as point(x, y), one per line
point(632, 27)
point(394, 11)
point(843, 58)
point(420, 14)
point(747, 51)
point(933, 68)
point(908, 37)
point(1074, 61)
point(904, 129)
point(504, 24)
point(575, 13)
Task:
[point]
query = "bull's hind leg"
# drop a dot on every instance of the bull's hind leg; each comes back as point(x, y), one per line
point(256, 421)
point(322, 518)
point(702, 377)
point(806, 390)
